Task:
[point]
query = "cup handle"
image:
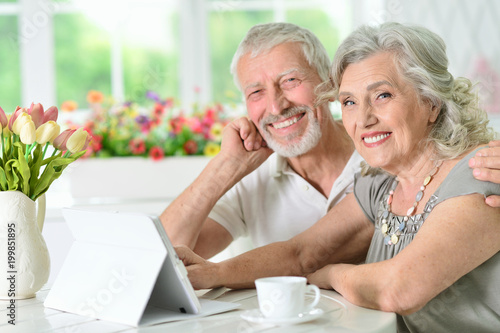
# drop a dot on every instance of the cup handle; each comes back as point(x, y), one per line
point(41, 211)
point(311, 288)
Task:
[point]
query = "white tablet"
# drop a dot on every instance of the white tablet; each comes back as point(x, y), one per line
point(122, 264)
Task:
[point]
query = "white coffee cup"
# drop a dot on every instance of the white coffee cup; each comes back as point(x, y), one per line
point(284, 296)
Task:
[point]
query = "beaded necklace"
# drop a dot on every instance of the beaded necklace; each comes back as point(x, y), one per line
point(393, 238)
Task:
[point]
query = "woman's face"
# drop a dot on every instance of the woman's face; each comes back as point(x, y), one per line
point(382, 113)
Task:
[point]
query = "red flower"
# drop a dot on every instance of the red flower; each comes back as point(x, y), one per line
point(137, 146)
point(190, 147)
point(96, 143)
point(177, 124)
point(158, 110)
point(156, 153)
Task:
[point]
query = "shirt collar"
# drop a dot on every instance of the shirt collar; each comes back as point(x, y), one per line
point(278, 166)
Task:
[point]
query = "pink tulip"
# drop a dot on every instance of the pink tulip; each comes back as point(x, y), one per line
point(50, 114)
point(14, 116)
point(36, 113)
point(3, 119)
point(60, 142)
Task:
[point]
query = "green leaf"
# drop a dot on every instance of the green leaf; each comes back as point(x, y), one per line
point(3, 180)
point(12, 178)
point(51, 172)
point(24, 172)
point(35, 167)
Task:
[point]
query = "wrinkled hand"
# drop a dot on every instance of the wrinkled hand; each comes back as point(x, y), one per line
point(201, 272)
point(320, 277)
point(241, 140)
point(486, 165)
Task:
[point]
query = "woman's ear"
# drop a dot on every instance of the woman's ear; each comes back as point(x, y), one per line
point(434, 111)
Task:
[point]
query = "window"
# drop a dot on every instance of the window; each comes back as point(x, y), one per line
point(10, 84)
point(82, 58)
point(124, 48)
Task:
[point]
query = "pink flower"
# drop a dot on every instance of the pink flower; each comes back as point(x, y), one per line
point(39, 116)
point(137, 146)
point(156, 153)
point(3, 119)
point(50, 114)
point(195, 125)
point(36, 113)
point(61, 139)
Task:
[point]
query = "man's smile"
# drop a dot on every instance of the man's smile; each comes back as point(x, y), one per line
point(287, 122)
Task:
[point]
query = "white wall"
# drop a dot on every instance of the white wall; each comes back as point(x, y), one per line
point(470, 29)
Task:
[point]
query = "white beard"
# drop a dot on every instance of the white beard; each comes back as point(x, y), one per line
point(308, 141)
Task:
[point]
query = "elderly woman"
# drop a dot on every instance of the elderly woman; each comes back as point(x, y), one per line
point(433, 257)
point(434, 253)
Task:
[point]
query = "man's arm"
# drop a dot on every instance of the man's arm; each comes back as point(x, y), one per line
point(486, 165)
point(343, 235)
point(242, 151)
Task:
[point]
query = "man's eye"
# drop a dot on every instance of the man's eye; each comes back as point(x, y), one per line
point(254, 94)
point(384, 95)
point(290, 83)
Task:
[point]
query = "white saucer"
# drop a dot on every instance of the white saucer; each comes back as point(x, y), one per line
point(255, 316)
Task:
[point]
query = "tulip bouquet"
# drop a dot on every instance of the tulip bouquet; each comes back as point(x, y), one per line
point(26, 135)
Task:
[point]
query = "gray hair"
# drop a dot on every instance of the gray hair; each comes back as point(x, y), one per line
point(262, 38)
point(421, 59)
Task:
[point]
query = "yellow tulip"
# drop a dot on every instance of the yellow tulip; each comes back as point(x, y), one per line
point(20, 121)
point(27, 133)
point(78, 141)
point(47, 132)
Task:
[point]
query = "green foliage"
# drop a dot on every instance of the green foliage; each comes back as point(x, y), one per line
point(20, 171)
point(82, 58)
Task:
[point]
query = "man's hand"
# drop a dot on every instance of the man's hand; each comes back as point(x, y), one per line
point(201, 272)
point(486, 165)
point(242, 141)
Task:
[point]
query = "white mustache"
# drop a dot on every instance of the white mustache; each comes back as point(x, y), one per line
point(286, 113)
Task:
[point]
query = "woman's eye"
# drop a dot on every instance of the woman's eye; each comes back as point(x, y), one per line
point(347, 103)
point(384, 95)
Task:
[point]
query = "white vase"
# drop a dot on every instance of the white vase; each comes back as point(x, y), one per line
point(24, 258)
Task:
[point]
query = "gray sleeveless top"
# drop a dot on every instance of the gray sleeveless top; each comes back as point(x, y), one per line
point(472, 304)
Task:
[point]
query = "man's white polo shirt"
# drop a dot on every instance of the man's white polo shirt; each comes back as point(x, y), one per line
point(274, 203)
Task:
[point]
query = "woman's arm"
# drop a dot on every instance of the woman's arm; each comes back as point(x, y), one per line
point(459, 235)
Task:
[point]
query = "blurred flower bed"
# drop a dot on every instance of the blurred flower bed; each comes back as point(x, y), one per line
point(158, 131)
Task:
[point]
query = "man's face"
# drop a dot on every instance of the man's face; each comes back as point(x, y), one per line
point(279, 92)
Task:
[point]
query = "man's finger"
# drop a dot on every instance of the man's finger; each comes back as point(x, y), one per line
point(489, 175)
point(493, 201)
point(491, 162)
point(495, 143)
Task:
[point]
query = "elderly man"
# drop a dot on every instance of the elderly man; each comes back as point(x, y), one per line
point(246, 189)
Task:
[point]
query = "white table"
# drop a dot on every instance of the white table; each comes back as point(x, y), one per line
point(339, 316)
